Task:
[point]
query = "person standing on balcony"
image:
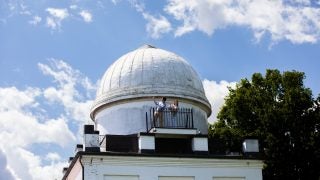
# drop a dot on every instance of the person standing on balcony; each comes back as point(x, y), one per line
point(158, 114)
point(174, 109)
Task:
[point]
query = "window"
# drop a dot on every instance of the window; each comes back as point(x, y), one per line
point(176, 178)
point(121, 177)
point(173, 145)
point(229, 178)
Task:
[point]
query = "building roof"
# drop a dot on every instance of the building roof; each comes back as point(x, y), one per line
point(149, 71)
point(206, 157)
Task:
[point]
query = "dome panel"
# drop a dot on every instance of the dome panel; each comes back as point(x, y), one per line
point(137, 69)
point(125, 74)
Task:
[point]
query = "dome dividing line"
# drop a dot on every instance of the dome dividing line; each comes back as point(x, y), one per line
point(133, 59)
point(120, 74)
point(142, 70)
point(152, 65)
point(113, 69)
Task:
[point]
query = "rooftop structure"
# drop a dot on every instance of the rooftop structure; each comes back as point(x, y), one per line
point(128, 86)
point(150, 123)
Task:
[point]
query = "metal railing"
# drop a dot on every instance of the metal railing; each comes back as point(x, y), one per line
point(182, 118)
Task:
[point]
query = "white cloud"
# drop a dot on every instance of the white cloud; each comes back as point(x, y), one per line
point(157, 26)
point(20, 128)
point(24, 9)
point(30, 166)
point(138, 5)
point(204, 15)
point(53, 17)
point(26, 129)
point(115, 1)
point(86, 15)
point(12, 5)
point(25, 122)
point(53, 156)
point(56, 16)
point(51, 23)
point(35, 20)
point(58, 13)
point(21, 98)
point(4, 171)
point(73, 6)
point(66, 92)
point(216, 92)
point(28, 13)
point(297, 22)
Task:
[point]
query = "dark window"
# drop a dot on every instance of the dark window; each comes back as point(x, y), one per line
point(173, 145)
point(122, 143)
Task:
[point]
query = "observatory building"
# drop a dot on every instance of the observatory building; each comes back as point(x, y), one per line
point(150, 123)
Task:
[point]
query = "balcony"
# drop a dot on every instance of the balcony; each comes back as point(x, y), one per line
point(170, 122)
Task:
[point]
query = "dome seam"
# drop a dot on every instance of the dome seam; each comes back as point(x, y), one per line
point(135, 54)
point(120, 75)
point(117, 62)
point(174, 70)
point(142, 70)
point(105, 75)
point(152, 62)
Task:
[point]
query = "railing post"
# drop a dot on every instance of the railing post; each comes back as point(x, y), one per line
point(187, 121)
point(185, 116)
point(147, 129)
point(164, 117)
point(150, 118)
point(192, 118)
point(154, 122)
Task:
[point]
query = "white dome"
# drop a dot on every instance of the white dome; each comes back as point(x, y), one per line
point(147, 72)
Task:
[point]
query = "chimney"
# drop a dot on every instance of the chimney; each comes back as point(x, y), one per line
point(91, 139)
point(79, 147)
point(64, 170)
point(70, 159)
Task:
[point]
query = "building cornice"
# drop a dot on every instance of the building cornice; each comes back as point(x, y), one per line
point(171, 161)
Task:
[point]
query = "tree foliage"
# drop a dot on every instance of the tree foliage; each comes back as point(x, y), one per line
point(283, 115)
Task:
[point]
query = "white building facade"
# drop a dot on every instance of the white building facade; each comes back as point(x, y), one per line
point(120, 167)
point(127, 140)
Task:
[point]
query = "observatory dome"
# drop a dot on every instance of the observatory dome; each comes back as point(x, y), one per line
point(149, 71)
point(129, 84)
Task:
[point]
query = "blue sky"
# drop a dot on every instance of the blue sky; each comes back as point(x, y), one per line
point(53, 53)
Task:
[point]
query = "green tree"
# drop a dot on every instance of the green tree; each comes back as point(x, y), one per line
point(285, 117)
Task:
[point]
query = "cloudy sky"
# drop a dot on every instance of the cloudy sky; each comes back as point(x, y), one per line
point(52, 54)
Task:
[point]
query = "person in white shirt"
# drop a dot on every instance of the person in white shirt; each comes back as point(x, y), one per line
point(158, 114)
